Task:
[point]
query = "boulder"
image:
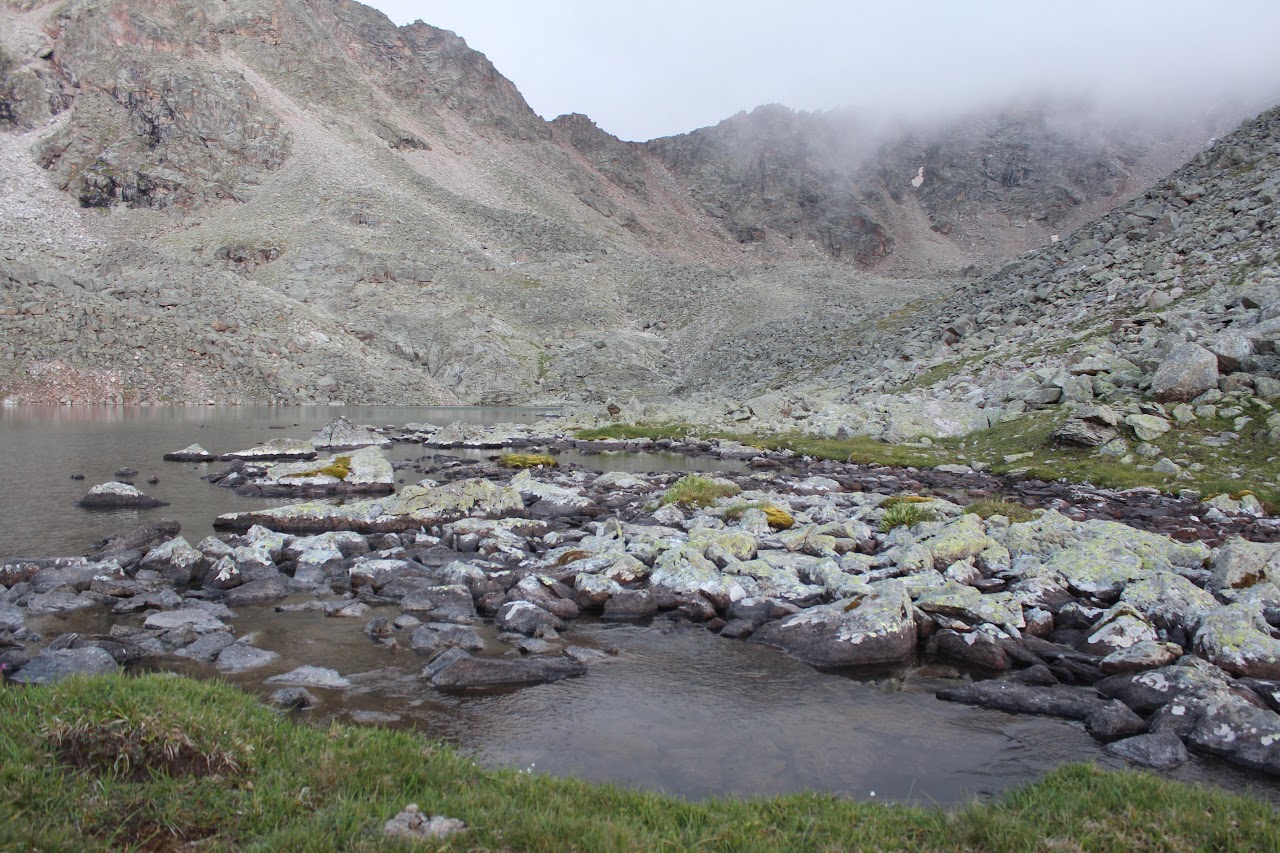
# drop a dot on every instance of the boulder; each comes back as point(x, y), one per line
point(1237, 638)
point(190, 453)
point(342, 434)
point(1161, 750)
point(524, 617)
point(175, 559)
point(115, 495)
point(241, 657)
point(364, 471)
point(876, 628)
point(1187, 372)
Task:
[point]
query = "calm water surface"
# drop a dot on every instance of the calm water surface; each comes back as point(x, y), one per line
point(42, 446)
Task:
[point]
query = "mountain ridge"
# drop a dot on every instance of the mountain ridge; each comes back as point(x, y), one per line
point(340, 209)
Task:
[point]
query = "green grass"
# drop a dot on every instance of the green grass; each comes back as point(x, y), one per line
point(695, 490)
point(272, 784)
point(627, 432)
point(527, 460)
point(1256, 458)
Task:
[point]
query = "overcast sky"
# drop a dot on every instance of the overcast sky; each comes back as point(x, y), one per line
point(661, 67)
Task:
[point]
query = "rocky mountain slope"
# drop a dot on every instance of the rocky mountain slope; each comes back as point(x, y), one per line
point(299, 201)
point(1158, 319)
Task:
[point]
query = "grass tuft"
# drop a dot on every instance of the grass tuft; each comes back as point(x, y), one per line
point(695, 490)
point(988, 507)
point(905, 515)
point(137, 748)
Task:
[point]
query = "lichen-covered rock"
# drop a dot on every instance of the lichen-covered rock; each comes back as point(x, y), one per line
point(1140, 656)
point(1237, 639)
point(450, 603)
point(1241, 732)
point(876, 628)
point(964, 602)
point(276, 448)
point(685, 571)
point(311, 676)
point(735, 544)
point(363, 471)
point(1169, 601)
point(1240, 564)
point(1118, 628)
point(175, 559)
point(962, 539)
point(594, 590)
point(1159, 750)
point(547, 499)
point(116, 495)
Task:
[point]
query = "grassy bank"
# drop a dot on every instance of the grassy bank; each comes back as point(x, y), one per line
point(1206, 467)
point(159, 761)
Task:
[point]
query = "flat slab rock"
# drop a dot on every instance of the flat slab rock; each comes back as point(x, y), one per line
point(456, 669)
point(116, 495)
point(1016, 698)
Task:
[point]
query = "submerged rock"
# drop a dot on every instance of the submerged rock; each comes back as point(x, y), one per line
point(456, 669)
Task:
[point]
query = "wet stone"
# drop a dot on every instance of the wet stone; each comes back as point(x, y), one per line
point(1161, 751)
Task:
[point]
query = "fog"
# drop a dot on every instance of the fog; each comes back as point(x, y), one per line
point(661, 67)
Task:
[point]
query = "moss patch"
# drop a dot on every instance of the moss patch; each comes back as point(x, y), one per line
point(527, 460)
point(339, 469)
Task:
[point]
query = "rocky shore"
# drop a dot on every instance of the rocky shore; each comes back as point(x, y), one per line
point(1148, 617)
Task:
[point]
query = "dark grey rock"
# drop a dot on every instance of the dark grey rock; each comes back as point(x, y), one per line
point(524, 617)
point(456, 669)
point(258, 592)
point(1069, 702)
point(1162, 751)
point(54, 665)
point(1113, 721)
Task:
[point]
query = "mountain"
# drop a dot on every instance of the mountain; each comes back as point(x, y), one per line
point(236, 200)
